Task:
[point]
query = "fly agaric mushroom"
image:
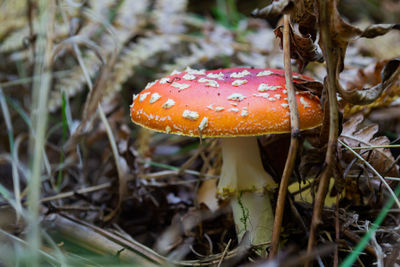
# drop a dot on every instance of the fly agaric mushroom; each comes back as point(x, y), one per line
point(236, 105)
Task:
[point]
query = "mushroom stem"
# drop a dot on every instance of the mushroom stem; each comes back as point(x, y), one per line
point(244, 178)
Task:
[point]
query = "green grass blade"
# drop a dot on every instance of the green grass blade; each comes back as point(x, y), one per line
point(352, 257)
point(15, 174)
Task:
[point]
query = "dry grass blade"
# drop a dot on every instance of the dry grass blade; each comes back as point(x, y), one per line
point(101, 241)
point(374, 147)
point(93, 99)
point(224, 253)
point(80, 191)
point(331, 57)
point(119, 163)
point(373, 170)
point(39, 119)
point(44, 254)
point(14, 161)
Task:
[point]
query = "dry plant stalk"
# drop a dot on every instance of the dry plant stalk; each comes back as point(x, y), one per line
point(294, 141)
point(330, 85)
point(40, 93)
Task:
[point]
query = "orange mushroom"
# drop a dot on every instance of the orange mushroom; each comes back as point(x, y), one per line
point(236, 104)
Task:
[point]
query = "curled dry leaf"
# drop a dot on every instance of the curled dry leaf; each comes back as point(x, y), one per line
point(355, 135)
point(302, 48)
point(302, 12)
point(389, 76)
point(379, 29)
point(207, 194)
point(276, 8)
point(359, 77)
point(311, 86)
point(356, 79)
point(341, 32)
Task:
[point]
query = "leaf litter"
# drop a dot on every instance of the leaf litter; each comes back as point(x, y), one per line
point(165, 212)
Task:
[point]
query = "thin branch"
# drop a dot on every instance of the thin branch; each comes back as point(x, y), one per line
point(294, 141)
point(370, 147)
point(224, 253)
point(80, 191)
point(168, 173)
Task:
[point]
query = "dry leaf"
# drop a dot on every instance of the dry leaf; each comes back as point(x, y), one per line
point(302, 47)
point(310, 86)
point(207, 194)
point(341, 34)
point(306, 13)
point(355, 135)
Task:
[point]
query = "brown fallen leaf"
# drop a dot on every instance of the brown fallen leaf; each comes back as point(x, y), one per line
point(341, 34)
point(302, 12)
point(302, 47)
point(207, 194)
point(310, 86)
point(306, 13)
point(356, 79)
point(355, 134)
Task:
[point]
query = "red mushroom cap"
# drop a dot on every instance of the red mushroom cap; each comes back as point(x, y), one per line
point(223, 103)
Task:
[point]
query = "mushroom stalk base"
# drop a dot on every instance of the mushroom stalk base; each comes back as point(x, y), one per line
point(244, 179)
point(252, 212)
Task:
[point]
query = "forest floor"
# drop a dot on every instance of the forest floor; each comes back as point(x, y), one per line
point(80, 184)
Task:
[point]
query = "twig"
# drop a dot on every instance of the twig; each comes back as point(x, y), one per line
point(356, 239)
point(304, 257)
point(351, 258)
point(367, 144)
point(224, 253)
point(190, 161)
point(80, 191)
point(373, 170)
point(294, 141)
point(167, 173)
point(27, 80)
point(331, 57)
point(370, 147)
